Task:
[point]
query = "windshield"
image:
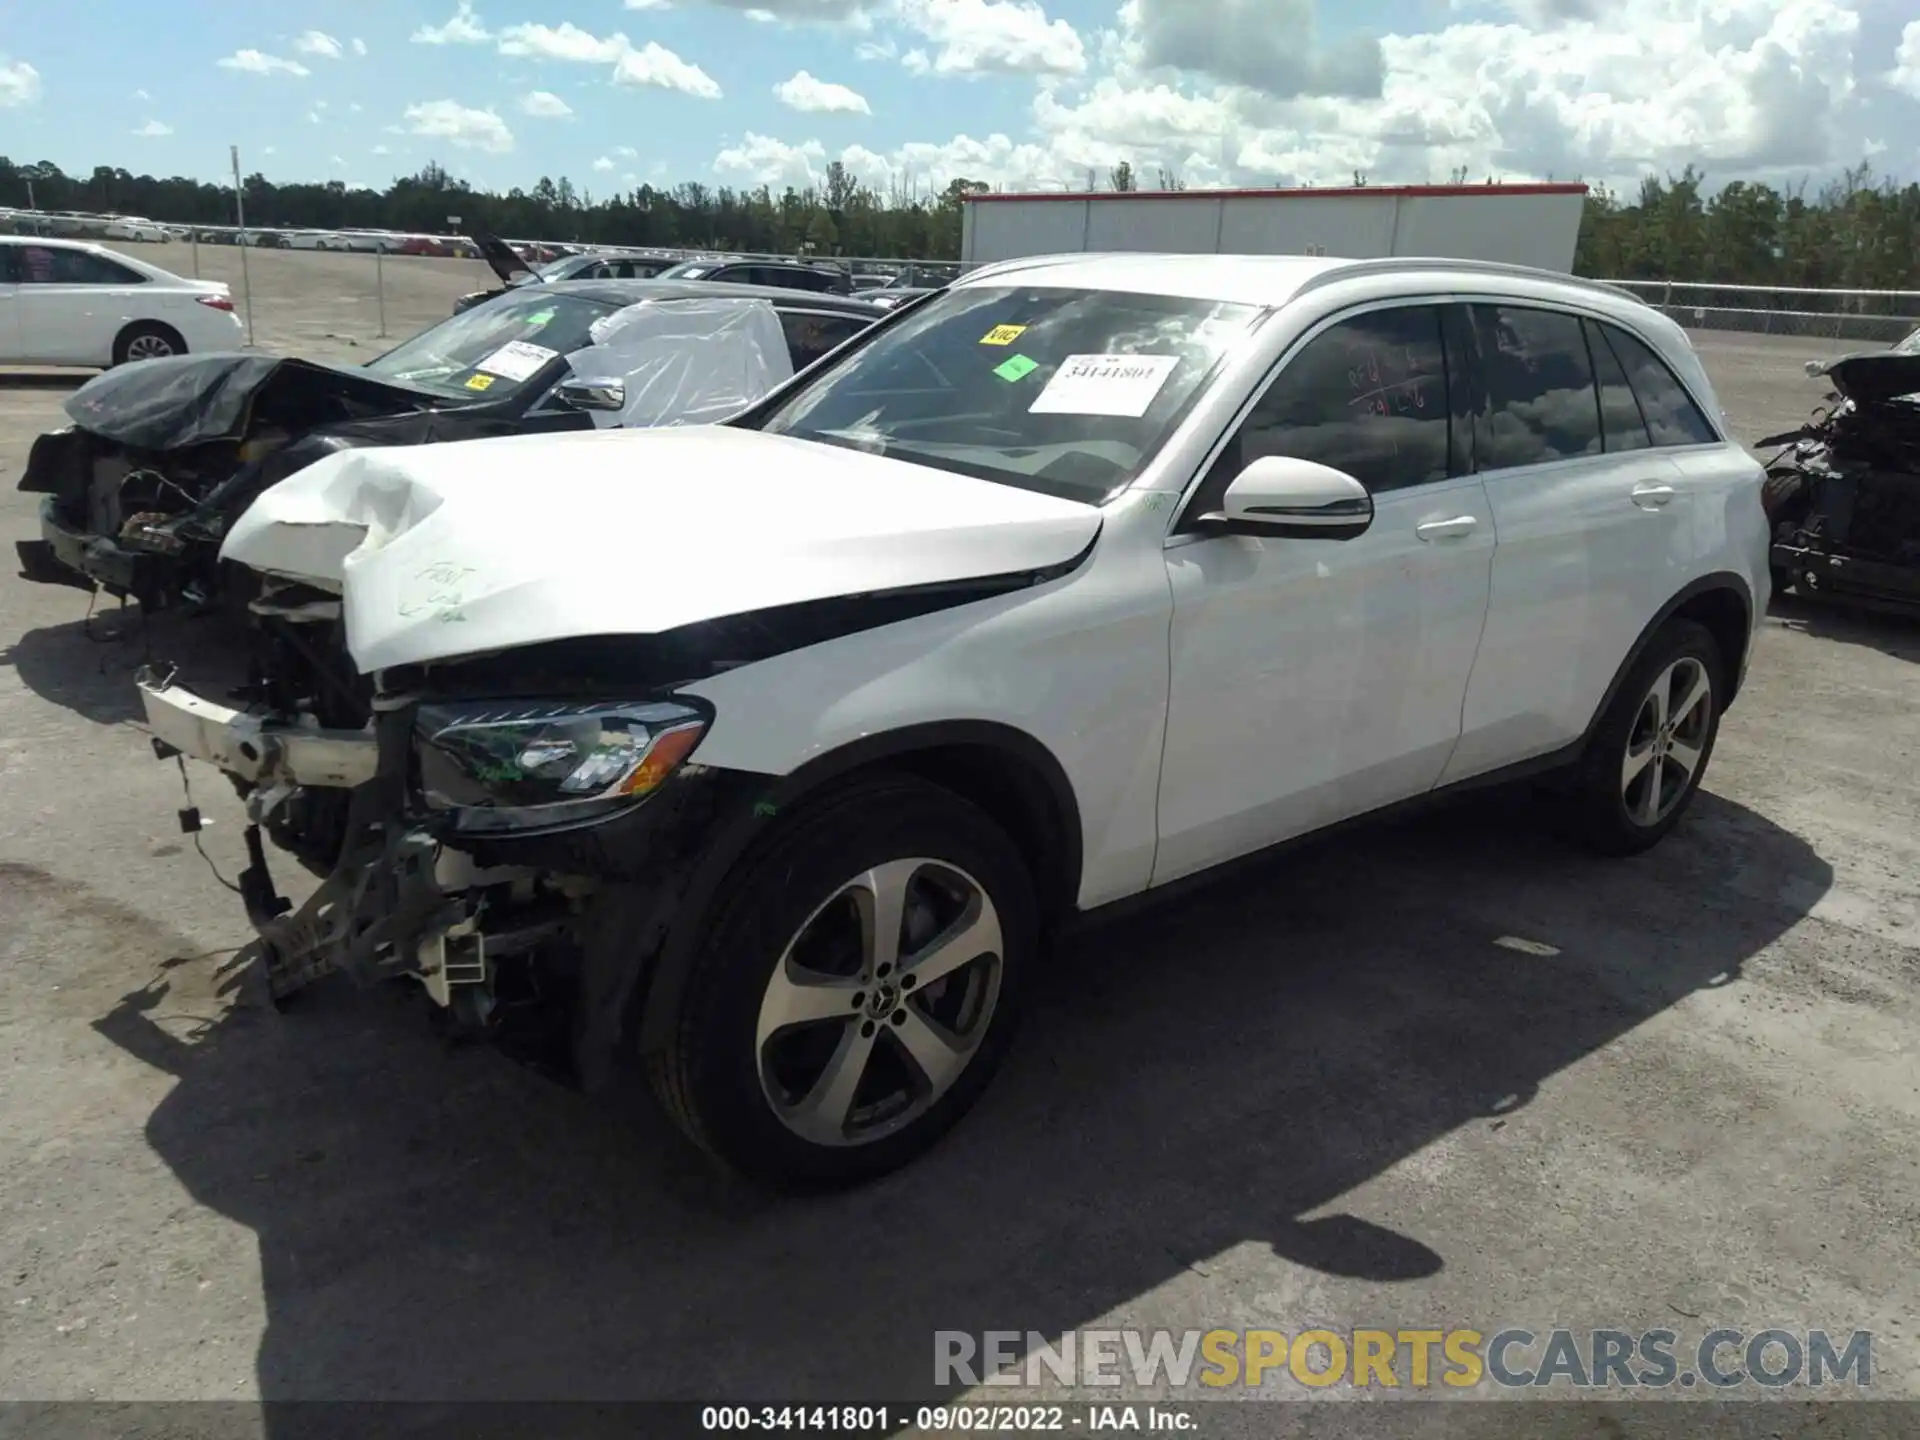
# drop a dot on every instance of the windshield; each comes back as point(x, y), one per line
point(1070, 392)
point(689, 270)
point(1909, 346)
point(557, 269)
point(495, 348)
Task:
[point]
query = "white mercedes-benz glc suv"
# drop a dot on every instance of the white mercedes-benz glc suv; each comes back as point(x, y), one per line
point(769, 755)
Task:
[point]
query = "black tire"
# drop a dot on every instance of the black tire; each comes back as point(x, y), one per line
point(1598, 808)
point(148, 331)
point(708, 1075)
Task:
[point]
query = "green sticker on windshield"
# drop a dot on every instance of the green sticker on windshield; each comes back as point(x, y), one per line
point(1017, 368)
point(539, 318)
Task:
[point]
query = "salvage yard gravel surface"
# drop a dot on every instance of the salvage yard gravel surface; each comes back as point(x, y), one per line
point(1442, 1072)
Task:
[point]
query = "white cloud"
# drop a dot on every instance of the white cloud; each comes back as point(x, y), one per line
point(626, 152)
point(318, 42)
point(545, 104)
point(876, 50)
point(807, 11)
point(154, 130)
point(463, 28)
point(655, 65)
point(354, 107)
point(648, 5)
point(254, 62)
point(339, 162)
point(820, 97)
point(1004, 36)
point(459, 125)
point(359, 46)
point(763, 160)
point(141, 95)
point(315, 117)
point(19, 83)
point(1905, 74)
point(761, 17)
point(1266, 45)
point(603, 164)
point(1758, 89)
point(381, 150)
point(565, 41)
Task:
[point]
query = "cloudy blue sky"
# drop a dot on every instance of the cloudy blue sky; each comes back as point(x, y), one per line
point(910, 93)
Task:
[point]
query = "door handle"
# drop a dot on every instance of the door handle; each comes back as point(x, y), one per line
point(1652, 497)
point(1447, 529)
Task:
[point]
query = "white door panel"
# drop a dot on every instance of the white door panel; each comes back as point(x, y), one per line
point(1582, 566)
point(1315, 680)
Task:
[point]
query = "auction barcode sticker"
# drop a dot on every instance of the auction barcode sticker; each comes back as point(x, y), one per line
point(1104, 385)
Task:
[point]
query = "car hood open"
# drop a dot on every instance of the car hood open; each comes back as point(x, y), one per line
point(1874, 375)
point(472, 547)
point(181, 400)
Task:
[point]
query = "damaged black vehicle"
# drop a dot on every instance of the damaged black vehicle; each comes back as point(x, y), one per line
point(161, 458)
point(1843, 496)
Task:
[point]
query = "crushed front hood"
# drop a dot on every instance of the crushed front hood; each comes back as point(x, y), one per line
point(181, 400)
point(470, 547)
point(1873, 375)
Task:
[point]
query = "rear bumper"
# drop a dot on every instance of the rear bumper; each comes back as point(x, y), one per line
point(1820, 571)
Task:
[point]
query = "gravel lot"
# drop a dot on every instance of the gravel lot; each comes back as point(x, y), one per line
point(1327, 1094)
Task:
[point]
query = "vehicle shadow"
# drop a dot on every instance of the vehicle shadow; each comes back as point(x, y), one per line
point(88, 666)
point(1886, 628)
point(1208, 1075)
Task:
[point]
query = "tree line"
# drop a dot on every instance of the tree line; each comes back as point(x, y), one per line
point(1857, 231)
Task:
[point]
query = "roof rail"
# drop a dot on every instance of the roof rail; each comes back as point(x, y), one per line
point(1400, 264)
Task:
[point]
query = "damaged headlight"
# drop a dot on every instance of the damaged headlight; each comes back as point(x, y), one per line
point(519, 765)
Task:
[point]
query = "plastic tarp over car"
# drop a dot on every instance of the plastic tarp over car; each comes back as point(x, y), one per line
point(181, 400)
point(684, 362)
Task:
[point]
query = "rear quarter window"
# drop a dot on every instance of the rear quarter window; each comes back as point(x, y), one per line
point(1672, 416)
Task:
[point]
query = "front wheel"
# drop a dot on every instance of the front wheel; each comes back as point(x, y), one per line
point(855, 989)
point(1650, 750)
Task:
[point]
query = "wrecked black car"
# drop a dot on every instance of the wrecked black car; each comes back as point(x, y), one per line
point(161, 457)
point(1844, 495)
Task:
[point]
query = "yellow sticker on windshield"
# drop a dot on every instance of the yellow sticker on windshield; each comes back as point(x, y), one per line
point(1003, 334)
point(479, 382)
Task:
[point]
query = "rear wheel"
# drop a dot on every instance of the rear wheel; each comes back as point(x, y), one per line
point(1646, 759)
point(147, 340)
point(855, 989)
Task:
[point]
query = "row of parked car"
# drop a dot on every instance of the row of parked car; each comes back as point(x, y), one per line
point(746, 686)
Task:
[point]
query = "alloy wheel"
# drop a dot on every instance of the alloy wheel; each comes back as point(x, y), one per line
point(148, 347)
point(1666, 741)
point(879, 1002)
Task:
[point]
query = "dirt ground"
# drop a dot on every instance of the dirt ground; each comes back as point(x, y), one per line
point(1442, 1073)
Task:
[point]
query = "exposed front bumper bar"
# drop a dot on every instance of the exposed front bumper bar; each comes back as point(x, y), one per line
point(252, 749)
point(98, 559)
point(1822, 570)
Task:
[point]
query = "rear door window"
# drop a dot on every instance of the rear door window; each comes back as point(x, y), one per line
point(1541, 400)
point(1672, 416)
point(1622, 425)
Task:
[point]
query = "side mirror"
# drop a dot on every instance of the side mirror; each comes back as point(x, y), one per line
point(1282, 496)
point(1816, 368)
point(590, 395)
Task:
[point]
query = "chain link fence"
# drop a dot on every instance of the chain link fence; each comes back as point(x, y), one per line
point(1872, 317)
